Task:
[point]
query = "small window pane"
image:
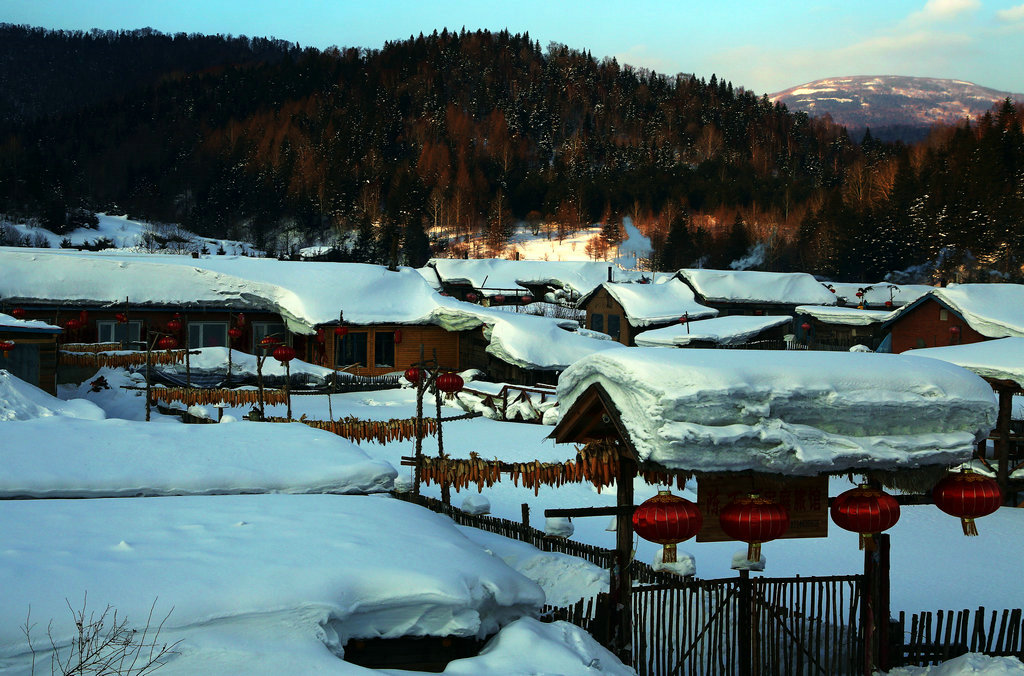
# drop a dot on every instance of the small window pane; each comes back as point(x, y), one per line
point(613, 326)
point(207, 334)
point(597, 322)
point(384, 348)
point(351, 350)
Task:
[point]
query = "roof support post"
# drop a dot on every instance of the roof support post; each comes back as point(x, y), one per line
point(621, 580)
point(1003, 450)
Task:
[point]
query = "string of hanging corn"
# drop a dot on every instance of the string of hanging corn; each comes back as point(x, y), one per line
point(119, 359)
point(380, 431)
point(191, 396)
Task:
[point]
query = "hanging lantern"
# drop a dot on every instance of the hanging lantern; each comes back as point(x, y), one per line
point(268, 342)
point(499, 299)
point(865, 510)
point(753, 519)
point(121, 318)
point(398, 336)
point(235, 333)
point(471, 297)
point(321, 336)
point(83, 317)
point(240, 319)
point(167, 343)
point(759, 313)
point(684, 319)
point(805, 326)
point(174, 325)
point(860, 294)
point(527, 299)
point(6, 346)
point(667, 519)
point(954, 331)
point(888, 304)
point(969, 496)
point(341, 331)
point(831, 289)
point(413, 374)
point(284, 353)
point(450, 383)
point(18, 313)
point(72, 324)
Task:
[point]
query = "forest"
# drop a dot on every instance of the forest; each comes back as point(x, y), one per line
point(442, 144)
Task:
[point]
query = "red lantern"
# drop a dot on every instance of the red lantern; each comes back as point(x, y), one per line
point(18, 313)
point(398, 336)
point(121, 318)
point(527, 299)
point(860, 294)
point(268, 342)
point(667, 520)
point(684, 319)
point(6, 346)
point(83, 317)
point(72, 324)
point(499, 299)
point(341, 331)
point(831, 289)
point(471, 297)
point(174, 325)
point(412, 374)
point(240, 319)
point(321, 336)
point(969, 496)
point(167, 343)
point(450, 383)
point(888, 304)
point(235, 333)
point(753, 519)
point(954, 331)
point(805, 326)
point(865, 510)
point(284, 353)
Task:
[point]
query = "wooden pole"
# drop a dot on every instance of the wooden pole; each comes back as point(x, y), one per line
point(745, 616)
point(420, 387)
point(1003, 428)
point(526, 515)
point(882, 606)
point(149, 372)
point(621, 581)
point(867, 611)
point(287, 387)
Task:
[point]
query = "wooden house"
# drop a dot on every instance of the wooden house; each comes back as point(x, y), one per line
point(31, 353)
point(832, 327)
point(624, 310)
point(748, 292)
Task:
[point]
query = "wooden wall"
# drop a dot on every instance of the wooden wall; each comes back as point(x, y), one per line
point(45, 347)
point(602, 303)
point(927, 325)
point(407, 351)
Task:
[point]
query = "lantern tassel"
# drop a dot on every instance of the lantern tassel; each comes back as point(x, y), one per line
point(668, 553)
point(867, 542)
point(754, 552)
point(970, 527)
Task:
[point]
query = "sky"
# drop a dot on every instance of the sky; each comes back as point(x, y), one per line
point(761, 46)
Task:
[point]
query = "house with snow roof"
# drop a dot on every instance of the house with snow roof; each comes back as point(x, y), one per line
point(363, 319)
point(829, 326)
point(877, 296)
point(750, 292)
point(28, 350)
point(623, 310)
point(957, 315)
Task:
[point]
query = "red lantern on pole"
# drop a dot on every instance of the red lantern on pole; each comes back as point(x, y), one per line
point(6, 346)
point(321, 336)
point(471, 297)
point(685, 318)
point(174, 325)
point(413, 374)
point(450, 383)
point(269, 342)
point(667, 520)
point(753, 519)
point(967, 495)
point(235, 333)
point(284, 353)
point(888, 305)
point(240, 319)
point(18, 313)
point(341, 331)
point(121, 318)
point(398, 336)
point(865, 510)
point(167, 343)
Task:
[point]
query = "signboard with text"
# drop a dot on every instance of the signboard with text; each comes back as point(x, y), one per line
point(805, 498)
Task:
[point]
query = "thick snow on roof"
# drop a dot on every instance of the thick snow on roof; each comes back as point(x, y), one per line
point(9, 323)
point(877, 294)
point(993, 310)
point(847, 316)
point(496, 273)
point(788, 412)
point(730, 330)
point(332, 567)
point(750, 286)
point(22, 401)
point(1001, 359)
point(647, 304)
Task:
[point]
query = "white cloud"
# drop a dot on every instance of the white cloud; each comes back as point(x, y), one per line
point(1012, 14)
point(944, 10)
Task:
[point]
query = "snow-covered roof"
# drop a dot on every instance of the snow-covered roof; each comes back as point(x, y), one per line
point(993, 310)
point(1001, 359)
point(9, 323)
point(751, 286)
point(495, 273)
point(646, 304)
point(787, 412)
point(847, 316)
point(877, 294)
point(730, 330)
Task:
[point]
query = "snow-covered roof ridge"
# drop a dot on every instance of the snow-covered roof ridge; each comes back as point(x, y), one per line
point(646, 304)
point(1000, 359)
point(729, 330)
point(799, 413)
point(848, 316)
point(9, 323)
point(497, 273)
point(751, 286)
point(993, 310)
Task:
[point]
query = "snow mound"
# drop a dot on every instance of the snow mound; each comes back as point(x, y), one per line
point(23, 401)
point(969, 664)
point(789, 412)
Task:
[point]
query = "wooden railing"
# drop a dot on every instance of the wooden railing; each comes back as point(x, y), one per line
point(934, 637)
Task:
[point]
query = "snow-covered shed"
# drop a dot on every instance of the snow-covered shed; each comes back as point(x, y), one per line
point(959, 314)
point(28, 350)
point(839, 327)
point(727, 331)
point(624, 310)
point(752, 292)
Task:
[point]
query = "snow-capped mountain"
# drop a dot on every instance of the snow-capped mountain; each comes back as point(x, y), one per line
point(892, 106)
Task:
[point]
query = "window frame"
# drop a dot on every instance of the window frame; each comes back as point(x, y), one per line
point(339, 343)
point(132, 328)
point(203, 327)
point(391, 346)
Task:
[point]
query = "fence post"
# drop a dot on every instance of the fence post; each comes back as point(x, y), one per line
point(621, 580)
point(526, 515)
point(746, 614)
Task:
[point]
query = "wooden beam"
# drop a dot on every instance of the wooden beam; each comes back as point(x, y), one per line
point(626, 510)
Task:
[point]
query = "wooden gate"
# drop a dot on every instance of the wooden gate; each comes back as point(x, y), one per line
point(757, 626)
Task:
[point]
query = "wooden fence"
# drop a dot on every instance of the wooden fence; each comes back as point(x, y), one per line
point(934, 637)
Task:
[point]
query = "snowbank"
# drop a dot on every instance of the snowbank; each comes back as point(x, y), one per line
point(798, 413)
point(67, 458)
point(22, 401)
point(1001, 359)
point(729, 330)
point(969, 664)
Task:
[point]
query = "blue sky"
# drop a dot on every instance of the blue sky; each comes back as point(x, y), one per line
point(764, 46)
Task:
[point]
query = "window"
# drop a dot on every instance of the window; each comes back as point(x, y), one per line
point(350, 350)
point(613, 326)
point(261, 330)
point(113, 332)
point(207, 334)
point(943, 315)
point(384, 348)
point(597, 322)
